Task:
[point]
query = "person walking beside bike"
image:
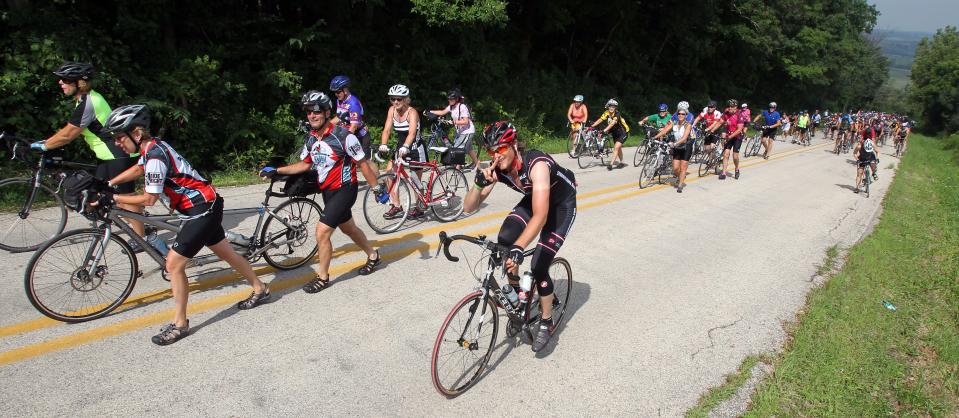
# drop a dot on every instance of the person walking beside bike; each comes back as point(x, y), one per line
point(89, 115)
point(547, 210)
point(866, 153)
point(576, 115)
point(733, 136)
point(170, 177)
point(802, 123)
point(334, 154)
point(463, 121)
point(616, 125)
point(405, 121)
point(680, 127)
point(772, 119)
point(712, 119)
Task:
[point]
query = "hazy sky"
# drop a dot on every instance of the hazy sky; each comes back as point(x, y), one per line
point(917, 15)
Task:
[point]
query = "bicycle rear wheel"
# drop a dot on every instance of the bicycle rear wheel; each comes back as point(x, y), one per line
point(377, 202)
point(448, 191)
point(562, 275)
point(44, 219)
point(464, 344)
point(63, 285)
point(639, 156)
point(290, 236)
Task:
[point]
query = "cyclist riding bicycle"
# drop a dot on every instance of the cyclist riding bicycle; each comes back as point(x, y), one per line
point(334, 153)
point(349, 114)
point(712, 118)
point(89, 114)
point(405, 121)
point(547, 210)
point(577, 114)
point(463, 121)
point(680, 127)
point(866, 153)
point(168, 176)
point(844, 126)
point(615, 124)
point(903, 132)
point(771, 120)
point(733, 136)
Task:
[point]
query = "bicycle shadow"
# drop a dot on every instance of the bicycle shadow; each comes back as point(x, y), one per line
point(846, 186)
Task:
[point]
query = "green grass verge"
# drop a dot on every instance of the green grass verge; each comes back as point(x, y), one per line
point(849, 355)
point(726, 390)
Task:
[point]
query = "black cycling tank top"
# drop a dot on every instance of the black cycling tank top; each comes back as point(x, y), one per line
point(561, 180)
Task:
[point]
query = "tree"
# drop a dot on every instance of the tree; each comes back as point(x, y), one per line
point(935, 80)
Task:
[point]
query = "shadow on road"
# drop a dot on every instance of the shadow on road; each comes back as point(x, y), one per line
point(846, 186)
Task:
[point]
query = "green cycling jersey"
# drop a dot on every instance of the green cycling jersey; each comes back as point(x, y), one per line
point(91, 113)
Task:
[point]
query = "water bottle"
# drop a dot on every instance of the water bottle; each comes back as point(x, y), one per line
point(237, 239)
point(157, 243)
point(526, 282)
point(510, 294)
point(381, 195)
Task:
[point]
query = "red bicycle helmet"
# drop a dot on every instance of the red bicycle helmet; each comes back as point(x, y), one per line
point(499, 133)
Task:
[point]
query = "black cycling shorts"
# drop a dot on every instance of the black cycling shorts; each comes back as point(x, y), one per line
point(204, 231)
point(769, 133)
point(338, 205)
point(551, 237)
point(866, 159)
point(802, 129)
point(108, 169)
point(685, 152)
point(734, 144)
point(619, 135)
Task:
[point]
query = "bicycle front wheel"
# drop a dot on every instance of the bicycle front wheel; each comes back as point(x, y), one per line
point(639, 156)
point(650, 168)
point(379, 201)
point(290, 236)
point(447, 194)
point(587, 153)
point(66, 281)
point(464, 344)
point(26, 227)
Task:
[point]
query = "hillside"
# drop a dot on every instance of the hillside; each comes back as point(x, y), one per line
point(900, 48)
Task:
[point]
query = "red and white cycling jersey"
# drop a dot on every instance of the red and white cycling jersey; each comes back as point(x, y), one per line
point(333, 154)
point(710, 117)
point(167, 172)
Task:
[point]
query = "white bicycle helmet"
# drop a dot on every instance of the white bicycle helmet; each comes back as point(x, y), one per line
point(578, 98)
point(399, 90)
point(745, 106)
point(772, 104)
point(683, 105)
point(612, 102)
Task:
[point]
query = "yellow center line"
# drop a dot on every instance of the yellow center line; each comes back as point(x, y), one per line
point(86, 337)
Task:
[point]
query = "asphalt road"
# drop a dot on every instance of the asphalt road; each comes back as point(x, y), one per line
point(671, 291)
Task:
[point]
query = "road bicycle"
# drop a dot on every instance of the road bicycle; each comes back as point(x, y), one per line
point(900, 142)
point(594, 145)
point(437, 137)
point(659, 162)
point(866, 175)
point(753, 143)
point(572, 143)
point(844, 142)
point(85, 274)
point(643, 150)
point(712, 160)
point(443, 192)
point(32, 210)
point(466, 339)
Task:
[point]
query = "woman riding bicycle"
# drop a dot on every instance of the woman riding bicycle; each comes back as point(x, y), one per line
point(405, 121)
point(616, 125)
point(170, 177)
point(547, 210)
point(89, 115)
point(680, 128)
point(577, 114)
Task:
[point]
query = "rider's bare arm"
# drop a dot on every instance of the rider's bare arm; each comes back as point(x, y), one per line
point(64, 136)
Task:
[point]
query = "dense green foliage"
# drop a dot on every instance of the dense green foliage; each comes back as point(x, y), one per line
point(223, 77)
point(935, 80)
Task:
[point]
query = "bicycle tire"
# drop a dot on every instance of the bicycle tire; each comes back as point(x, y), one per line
point(705, 165)
point(297, 250)
point(50, 220)
point(586, 155)
point(639, 156)
point(375, 212)
point(462, 316)
point(448, 193)
point(649, 171)
point(562, 275)
point(55, 253)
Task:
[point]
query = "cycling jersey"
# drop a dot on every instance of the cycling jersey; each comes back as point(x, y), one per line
point(867, 150)
point(562, 182)
point(802, 121)
point(167, 172)
point(350, 112)
point(333, 154)
point(771, 118)
point(657, 121)
point(91, 113)
point(614, 119)
point(710, 117)
point(732, 122)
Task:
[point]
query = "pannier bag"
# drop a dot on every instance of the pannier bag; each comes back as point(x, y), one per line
point(453, 156)
point(303, 184)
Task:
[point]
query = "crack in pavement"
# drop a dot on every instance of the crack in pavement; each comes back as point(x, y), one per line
point(709, 333)
point(849, 211)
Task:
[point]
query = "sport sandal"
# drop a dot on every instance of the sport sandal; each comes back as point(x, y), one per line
point(371, 264)
point(170, 333)
point(255, 299)
point(316, 285)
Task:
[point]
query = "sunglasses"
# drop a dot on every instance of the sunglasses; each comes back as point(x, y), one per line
point(396, 99)
point(500, 150)
point(682, 113)
point(337, 91)
point(315, 112)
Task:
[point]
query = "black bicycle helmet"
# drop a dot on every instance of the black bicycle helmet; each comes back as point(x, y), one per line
point(712, 103)
point(454, 94)
point(125, 118)
point(73, 71)
point(499, 133)
point(316, 101)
